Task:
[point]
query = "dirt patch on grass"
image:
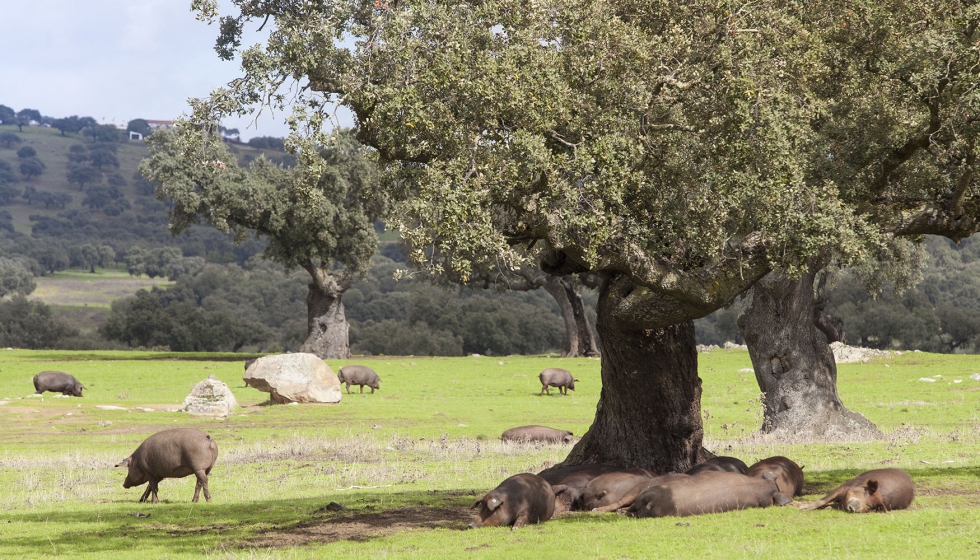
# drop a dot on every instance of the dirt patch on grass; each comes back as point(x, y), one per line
point(363, 526)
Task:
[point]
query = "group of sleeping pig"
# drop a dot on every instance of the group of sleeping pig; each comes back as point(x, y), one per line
point(717, 485)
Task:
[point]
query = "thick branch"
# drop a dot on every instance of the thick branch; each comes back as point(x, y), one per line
point(927, 218)
point(330, 283)
point(691, 293)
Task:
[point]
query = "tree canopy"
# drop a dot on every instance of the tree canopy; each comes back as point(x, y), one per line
point(681, 150)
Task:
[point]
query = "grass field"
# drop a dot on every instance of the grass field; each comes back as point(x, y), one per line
point(406, 462)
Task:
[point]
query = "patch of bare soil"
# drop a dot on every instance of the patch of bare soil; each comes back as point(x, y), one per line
point(363, 526)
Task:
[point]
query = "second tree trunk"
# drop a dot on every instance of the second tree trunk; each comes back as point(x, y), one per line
point(794, 363)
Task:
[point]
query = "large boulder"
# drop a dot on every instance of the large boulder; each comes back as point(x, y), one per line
point(210, 398)
point(288, 378)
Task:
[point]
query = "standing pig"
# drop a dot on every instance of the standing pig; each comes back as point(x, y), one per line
point(519, 500)
point(172, 453)
point(537, 433)
point(877, 490)
point(556, 377)
point(57, 382)
point(359, 375)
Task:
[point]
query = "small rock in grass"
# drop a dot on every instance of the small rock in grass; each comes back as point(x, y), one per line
point(927, 379)
point(746, 370)
point(975, 377)
point(109, 407)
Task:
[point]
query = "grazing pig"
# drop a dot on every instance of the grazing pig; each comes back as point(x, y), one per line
point(708, 492)
point(537, 433)
point(359, 375)
point(611, 491)
point(877, 490)
point(721, 464)
point(519, 500)
point(172, 453)
point(57, 382)
point(569, 483)
point(789, 475)
point(556, 377)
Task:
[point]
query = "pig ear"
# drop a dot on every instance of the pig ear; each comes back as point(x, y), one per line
point(125, 462)
point(493, 503)
point(769, 476)
point(872, 486)
point(475, 505)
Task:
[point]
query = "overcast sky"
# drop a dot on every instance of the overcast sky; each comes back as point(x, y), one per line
point(115, 60)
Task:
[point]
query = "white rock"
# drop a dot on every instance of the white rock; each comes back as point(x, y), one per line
point(844, 354)
point(975, 377)
point(927, 379)
point(299, 377)
point(957, 381)
point(209, 398)
point(746, 370)
point(109, 407)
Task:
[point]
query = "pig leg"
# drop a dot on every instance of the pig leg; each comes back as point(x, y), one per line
point(521, 521)
point(372, 390)
point(145, 495)
point(202, 482)
point(824, 502)
point(362, 388)
point(626, 501)
point(154, 488)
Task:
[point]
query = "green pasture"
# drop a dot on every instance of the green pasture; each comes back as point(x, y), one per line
point(405, 463)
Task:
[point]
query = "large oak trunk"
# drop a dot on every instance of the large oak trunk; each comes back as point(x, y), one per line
point(649, 411)
point(326, 325)
point(794, 363)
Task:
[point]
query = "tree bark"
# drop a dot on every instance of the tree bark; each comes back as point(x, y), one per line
point(649, 411)
point(327, 326)
point(793, 362)
point(326, 322)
